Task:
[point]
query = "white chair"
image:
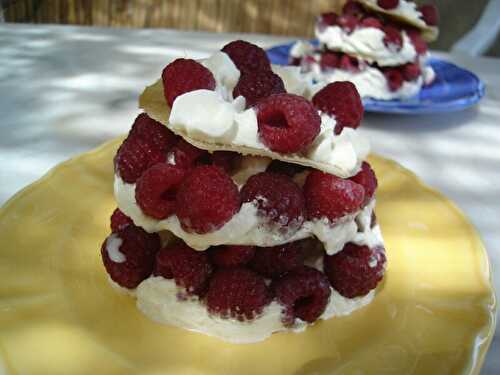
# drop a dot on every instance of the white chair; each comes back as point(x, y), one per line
point(477, 41)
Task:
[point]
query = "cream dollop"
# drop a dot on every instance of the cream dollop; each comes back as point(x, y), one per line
point(368, 44)
point(158, 299)
point(113, 244)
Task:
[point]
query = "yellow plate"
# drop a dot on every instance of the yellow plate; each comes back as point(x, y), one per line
point(434, 313)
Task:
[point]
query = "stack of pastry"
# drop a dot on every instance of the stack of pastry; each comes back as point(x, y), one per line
point(379, 45)
point(244, 209)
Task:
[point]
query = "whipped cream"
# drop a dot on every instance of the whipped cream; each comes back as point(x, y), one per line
point(369, 81)
point(113, 244)
point(216, 120)
point(157, 298)
point(246, 227)
point(368, 44)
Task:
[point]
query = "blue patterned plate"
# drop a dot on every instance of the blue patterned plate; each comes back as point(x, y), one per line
point(453, 89)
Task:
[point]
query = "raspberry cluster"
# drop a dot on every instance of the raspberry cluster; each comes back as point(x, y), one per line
point(240, 281)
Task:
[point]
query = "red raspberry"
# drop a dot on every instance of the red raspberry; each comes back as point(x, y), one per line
point(278, 198)
point(288, 169)
point(304, 293)
point(156, 189)
point(287, 123)
point(353, 8)
point(329, 60)
point(347, 22)
point(411, 72)
point(372, 22)
point(134, 156)
point(295, 61)
point(138, 249)
point(331, 196)
point(393, 39)
point(349, 63)
point(206, 199)
point(247, 57)
point(184, 154)
point(185, 75)
point(388, 4)
point(328, 19)
point(226, 160)
point(430, 14)
point(394, 78)
point(366, 178)
point(119, 220)
point(231, 255)
point(258, 85)
point(153, 132)
point(355, 270)
point(237, 293)
point(189, 268)
point(417, 41)
point(275, 261)
point(342, 100)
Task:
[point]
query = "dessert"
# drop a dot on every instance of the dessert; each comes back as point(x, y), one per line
point(379, 45)
point(244, 209)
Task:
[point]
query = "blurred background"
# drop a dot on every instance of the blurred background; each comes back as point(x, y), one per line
point(279, 17)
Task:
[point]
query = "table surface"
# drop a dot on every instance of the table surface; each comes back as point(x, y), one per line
point(65, 90)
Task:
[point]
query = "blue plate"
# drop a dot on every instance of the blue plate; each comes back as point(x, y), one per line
point(453, 89)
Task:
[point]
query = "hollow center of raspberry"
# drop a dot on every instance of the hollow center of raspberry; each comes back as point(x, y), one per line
point(169, 195)
point(302, 303)
point(276, 120)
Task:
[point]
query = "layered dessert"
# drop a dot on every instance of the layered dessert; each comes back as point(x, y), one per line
point(379, 45)
point(244, 209)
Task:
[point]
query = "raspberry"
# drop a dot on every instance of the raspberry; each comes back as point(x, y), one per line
point(138, 250)
point(295, 61)
point(287, 123)
point(366, 178)
point(189, 268)
point(342, 100)
point(394, 78)
point(329, 60)
point(258, 85)
point(411, 72)
point(275, 261)
point(304, 293)
point(153, 132)
point(226, 160)
point(206, 199)
point(392, 39)
point(185, 75)
point(119, 220)
point(184, 154)
point(156, 189)
point(347, 22)
point(288, 169)
point(247, 57)
point(331, 196)
point(372, 22)
point(430, 14)
point(349, 63)
point(328, 19)
point(353, 8)
point(355, 270)
point(231, 255)
point(388, 4)
point(417, 41)
point(134, 156)
point(237, 293)
point(277, 197)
